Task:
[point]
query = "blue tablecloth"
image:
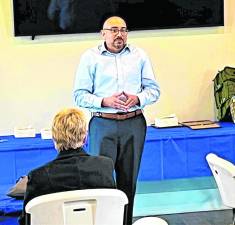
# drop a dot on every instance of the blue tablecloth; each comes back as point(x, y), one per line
point(19, 155)
point(168, 152)
point(8, 205)
point(180, 152)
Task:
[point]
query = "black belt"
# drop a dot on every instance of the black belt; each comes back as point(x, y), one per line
point(118, 116)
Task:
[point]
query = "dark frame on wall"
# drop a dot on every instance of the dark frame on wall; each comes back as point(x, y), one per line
point(45, 17)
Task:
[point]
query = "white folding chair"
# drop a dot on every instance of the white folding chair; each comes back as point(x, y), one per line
point(79, 207)
point(150, 221)
point(224, 174)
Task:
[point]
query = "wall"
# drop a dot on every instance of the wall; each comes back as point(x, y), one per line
point(36, 77)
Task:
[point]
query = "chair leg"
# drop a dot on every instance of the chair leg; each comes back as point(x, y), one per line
point(233, 216)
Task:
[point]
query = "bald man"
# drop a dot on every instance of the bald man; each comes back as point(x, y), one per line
point(115, 81)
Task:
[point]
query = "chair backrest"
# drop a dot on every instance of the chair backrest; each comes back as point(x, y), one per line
point(80, 207)
point(224, 174)
point(150, 221)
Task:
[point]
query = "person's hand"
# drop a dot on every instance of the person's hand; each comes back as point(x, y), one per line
point(132, 100)
point(116, 101)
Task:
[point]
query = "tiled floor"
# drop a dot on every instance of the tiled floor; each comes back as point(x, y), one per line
point(177, 196)
point(217, 217)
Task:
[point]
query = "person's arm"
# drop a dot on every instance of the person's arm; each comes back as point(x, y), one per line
point(52, 10)
point(34, 188)
point(150, 89)
point(29, 194)
point(106, 168)
point(84, 84)
point(67, 15)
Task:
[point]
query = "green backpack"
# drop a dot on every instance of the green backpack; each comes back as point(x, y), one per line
point(224, 90)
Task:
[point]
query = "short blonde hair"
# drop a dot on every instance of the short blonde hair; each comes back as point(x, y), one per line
point(69, 129)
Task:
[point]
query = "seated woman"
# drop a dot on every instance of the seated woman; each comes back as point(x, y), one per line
point(73, 168)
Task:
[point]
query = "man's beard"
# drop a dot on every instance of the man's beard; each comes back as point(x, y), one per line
point(118, 43)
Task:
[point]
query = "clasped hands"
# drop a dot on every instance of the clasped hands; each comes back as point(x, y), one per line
point(122, 101)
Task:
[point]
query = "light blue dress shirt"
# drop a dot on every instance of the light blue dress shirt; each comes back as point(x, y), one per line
point(101, 73)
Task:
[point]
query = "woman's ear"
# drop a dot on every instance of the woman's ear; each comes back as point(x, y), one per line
point(55, 145)
point(85, 139)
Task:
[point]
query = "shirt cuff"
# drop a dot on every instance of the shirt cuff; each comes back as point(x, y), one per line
point(141, 99)
point(97, 102)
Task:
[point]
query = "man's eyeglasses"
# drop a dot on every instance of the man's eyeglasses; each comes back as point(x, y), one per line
point(115, 30)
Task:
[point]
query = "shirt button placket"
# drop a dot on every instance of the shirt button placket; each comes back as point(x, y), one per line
point(119, 73)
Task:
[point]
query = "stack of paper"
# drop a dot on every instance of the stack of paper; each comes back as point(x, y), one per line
point(21, 132)
point(46, 133)
point(167, 121)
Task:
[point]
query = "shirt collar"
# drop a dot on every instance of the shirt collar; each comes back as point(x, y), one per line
point(71, 152)
point(102, 49)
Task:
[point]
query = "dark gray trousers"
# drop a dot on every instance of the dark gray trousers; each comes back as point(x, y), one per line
point(123, 141)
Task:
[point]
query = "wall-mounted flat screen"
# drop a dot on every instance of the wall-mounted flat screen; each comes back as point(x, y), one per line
point(44, 17)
